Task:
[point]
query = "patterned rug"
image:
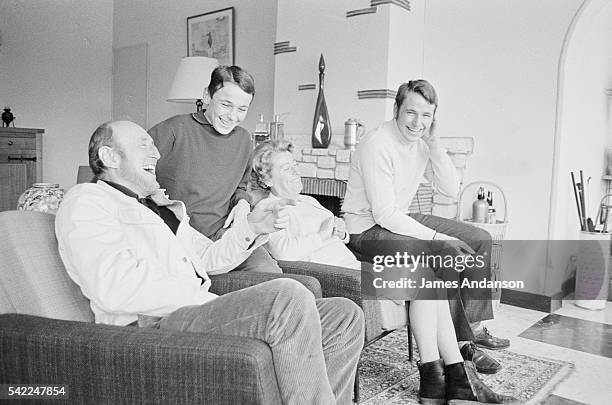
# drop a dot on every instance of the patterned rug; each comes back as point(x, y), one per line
point(387, 377)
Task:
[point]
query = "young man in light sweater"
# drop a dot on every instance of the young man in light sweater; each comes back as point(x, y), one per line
point(206, 159)
point(385, 172)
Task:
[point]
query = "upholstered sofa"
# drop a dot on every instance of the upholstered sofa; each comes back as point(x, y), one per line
point(47, 334)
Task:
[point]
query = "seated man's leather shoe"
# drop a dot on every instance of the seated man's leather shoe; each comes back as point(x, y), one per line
point(488, 341)
point(484, 363)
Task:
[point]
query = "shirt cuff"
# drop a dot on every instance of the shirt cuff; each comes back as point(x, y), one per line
point(347, 237)
point(245, 236)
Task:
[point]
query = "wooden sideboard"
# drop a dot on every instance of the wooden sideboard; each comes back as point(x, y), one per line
point(20, 163)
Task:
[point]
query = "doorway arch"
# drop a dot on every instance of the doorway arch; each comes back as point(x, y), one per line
point(582, 126)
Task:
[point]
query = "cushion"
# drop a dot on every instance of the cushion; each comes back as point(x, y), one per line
point(33, 279)
point(84, 175)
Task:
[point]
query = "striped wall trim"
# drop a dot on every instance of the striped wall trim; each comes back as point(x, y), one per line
point(282, 44)
point(309, 86)
point(405, 4)
point(361, 11)
point(376, 93)
point(283, 47)
point(287, 50)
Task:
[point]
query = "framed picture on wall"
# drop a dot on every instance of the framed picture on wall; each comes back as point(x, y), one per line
point(212, 34)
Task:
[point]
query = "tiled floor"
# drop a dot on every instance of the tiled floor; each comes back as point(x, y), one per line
point(591, 381)
point(572, 333)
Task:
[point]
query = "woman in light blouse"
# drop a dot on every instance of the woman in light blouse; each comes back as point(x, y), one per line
point(313, 234)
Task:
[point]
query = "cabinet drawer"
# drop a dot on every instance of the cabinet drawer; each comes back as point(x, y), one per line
point(17, 156)
point(11, 143)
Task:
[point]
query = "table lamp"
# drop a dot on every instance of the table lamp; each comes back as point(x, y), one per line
point(191, 80)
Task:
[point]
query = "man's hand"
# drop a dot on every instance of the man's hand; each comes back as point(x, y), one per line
point(339, 228)
point(241, 209)
point(432, 139)
point(455, 244)
point(269, 215)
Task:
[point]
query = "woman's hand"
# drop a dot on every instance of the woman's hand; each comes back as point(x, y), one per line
point(339, 228)
point(269, 215)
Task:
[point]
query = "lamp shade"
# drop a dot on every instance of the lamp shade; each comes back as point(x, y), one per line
point(191, 79)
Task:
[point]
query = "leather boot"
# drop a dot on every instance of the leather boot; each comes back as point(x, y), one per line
point(463, 386)
point(433, 388)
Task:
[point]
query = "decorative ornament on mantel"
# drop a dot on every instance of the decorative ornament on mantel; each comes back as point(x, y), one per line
point(7, 117)
point(321, 127)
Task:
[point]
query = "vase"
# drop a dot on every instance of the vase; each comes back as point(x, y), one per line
point(7, 117)
point(42, 197)
point(321, 128)
point(593, 271)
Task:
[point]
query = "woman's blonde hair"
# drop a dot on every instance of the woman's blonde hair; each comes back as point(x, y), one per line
point(262, 161)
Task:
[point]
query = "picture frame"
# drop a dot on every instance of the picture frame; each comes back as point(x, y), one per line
point(212, 34)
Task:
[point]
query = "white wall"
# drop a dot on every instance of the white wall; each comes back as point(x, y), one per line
point(356, 52)
point(407, 41)
point(55, 72)
point(163, 25)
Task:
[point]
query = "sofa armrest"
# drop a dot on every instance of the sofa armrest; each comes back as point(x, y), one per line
point(115, 364)
point(237, 280)
point(335, 281)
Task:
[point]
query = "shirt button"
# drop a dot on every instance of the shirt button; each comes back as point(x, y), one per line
point(184, 260)
point(247, 239)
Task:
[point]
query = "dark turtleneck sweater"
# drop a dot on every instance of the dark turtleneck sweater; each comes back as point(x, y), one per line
point(206, 170)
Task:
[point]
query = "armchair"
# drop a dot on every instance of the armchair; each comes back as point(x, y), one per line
point(47, 335)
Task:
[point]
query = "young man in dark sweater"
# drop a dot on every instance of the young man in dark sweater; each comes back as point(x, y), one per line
point(206, 159)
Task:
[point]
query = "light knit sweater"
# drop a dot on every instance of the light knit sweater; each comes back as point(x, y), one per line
point(301, 239)
point(385, 172)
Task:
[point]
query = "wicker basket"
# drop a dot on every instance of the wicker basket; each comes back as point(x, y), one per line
point(497, 231)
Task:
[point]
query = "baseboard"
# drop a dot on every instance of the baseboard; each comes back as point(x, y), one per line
point(529, 300)
point(539, 302)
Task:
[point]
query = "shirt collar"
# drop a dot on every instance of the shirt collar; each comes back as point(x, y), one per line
point(200, 118)
point(159, 197)
point(121, 188)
